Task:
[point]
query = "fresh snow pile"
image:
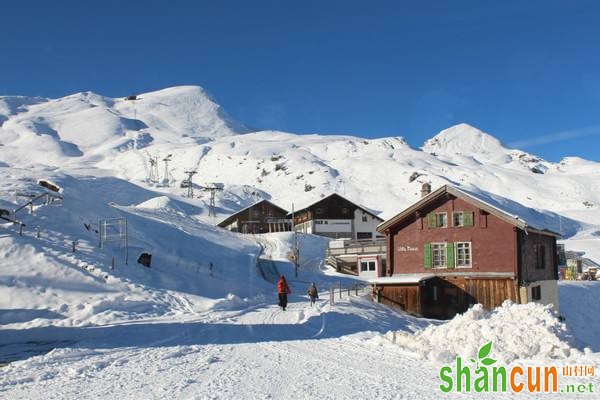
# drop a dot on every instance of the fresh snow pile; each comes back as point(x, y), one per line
point(518, 331)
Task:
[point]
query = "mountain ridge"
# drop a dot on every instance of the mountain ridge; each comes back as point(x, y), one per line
point(117, 137)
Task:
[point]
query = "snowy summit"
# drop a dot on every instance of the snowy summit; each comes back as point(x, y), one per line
point(119, 284)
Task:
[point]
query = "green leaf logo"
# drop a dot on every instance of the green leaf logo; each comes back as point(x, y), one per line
point(488, 361)
point(482, 356)
point(485, 350)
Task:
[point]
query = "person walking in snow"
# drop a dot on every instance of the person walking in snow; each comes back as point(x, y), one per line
point(283, 290)
point(313, 293)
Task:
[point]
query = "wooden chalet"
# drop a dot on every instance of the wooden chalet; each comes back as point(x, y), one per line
point(455, 248)
point(337, 217)
point(260, 217)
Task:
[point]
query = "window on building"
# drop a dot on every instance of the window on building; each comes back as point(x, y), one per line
point(459, 219)
point(441, 220)
point(536, 293)
point(540, 251)
point(319, 211)
point(438, 252)
point(364, 235)
point(364, 218)
point(462, 218)
point(368, 265)
point(434, 293)
point(463, 254)
point(437, 220)
point(344, 210)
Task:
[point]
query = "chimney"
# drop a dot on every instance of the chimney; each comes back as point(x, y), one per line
point(425, 189)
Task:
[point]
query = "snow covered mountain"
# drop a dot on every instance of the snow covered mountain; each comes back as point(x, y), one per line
point(204, 305)
point(86, 131)
point(86, 126)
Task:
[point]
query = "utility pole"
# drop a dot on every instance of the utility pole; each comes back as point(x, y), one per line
point(212, 208)
point(153, 173)
point(190, 187)
point(166, 160)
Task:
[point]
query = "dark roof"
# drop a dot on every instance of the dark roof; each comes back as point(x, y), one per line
point(232, 217)
point(510, 211)
point(306, 207)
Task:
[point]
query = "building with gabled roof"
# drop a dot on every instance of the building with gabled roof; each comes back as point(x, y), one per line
point(336, 217)
point(454, 248)
point(260, 217)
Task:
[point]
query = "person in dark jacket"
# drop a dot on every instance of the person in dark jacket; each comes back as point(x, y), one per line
point(313, 293)
point(283, 290)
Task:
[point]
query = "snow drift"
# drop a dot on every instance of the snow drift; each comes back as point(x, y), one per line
point(518, 331)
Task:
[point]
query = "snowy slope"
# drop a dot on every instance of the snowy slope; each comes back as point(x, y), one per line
point(99, 148)
point(82, 288)
point(183, 328)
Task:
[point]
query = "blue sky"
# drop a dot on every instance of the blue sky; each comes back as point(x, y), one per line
point(527, 72)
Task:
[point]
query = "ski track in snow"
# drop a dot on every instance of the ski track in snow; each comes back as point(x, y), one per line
point(261, 352)
point(276, 358)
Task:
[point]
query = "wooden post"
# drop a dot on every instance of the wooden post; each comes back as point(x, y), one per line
point(74, 244)
point(20, 229)
point(112, 266)
point(331, 296)
point(340, 289)
point(37, 232)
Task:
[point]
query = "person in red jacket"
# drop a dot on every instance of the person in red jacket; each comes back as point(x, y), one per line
point(283, 289)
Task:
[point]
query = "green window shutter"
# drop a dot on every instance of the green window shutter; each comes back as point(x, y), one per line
point(431, 220)
point(427, 256)
point(468, 218)
point(450, 255)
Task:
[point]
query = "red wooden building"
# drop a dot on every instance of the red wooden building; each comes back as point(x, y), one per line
point(454, 248)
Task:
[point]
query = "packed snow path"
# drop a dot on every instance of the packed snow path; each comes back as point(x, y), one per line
point(324, 352)
point(259, 352)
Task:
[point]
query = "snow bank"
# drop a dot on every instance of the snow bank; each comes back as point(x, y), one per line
point(579, 302)
point(518, 331)
point(159, 203)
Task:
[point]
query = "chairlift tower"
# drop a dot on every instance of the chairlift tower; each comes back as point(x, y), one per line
point(214, 188)
point(166, 160)
point(190, 187)
point(153, 177)
point(153, 173)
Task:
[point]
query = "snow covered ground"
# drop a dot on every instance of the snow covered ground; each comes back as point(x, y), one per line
point(330, 352)
point(202, 321)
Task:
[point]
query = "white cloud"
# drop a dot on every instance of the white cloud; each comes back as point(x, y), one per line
point(556, 137)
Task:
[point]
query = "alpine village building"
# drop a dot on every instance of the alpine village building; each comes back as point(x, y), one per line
point(337, 217)
point(454, 248)
point(260, 217)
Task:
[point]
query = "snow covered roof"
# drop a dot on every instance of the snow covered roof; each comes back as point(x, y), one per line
point(305, 206)
point(406, 279)
point(226, 220)
point(514, 213)
point(402, 279)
